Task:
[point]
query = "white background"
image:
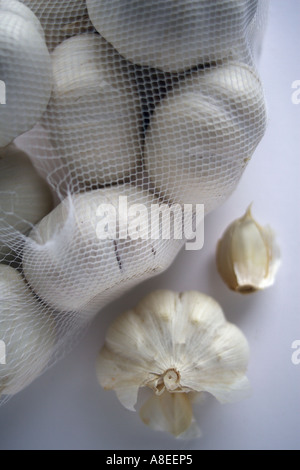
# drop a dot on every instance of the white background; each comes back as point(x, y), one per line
point(66, 409)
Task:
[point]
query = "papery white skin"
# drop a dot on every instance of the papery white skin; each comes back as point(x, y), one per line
point(25, 197)
point(71, 269)
point(15, 6)
point(171, 412)
point(206, 130)
point(174, 343)
point(94, 115)
point(248, 256)
point(61, 19)
point(25, 68)
point(173, 36)
point(27, 330)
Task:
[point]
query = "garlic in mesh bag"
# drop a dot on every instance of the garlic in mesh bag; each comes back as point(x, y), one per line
point(25, 69)
point(173, 36)
point(94, 115)
point(27, 330)
point(74, 265)
point(60, 19)
point(206, 130)
point(158, 102)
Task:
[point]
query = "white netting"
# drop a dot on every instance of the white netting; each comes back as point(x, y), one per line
point(156, 100)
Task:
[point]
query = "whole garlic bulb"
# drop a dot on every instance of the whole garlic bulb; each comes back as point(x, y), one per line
point(173, 36)
point(27, 331)
point(72, 268)
point(248, 257)
point(60, 19)
point(25, 197)
point(178, 345)
point(206, 130)
point(25, 68)
point(94, 114)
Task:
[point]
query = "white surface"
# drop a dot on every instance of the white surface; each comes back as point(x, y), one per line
point(66, 409)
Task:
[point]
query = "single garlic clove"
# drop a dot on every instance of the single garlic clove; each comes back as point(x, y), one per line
point(28, 331)
point(247, 256)
point(176, 345)
point(206, 129)
point(173, 36)
point(25, 197)
point(170, 412)
point(25, 70)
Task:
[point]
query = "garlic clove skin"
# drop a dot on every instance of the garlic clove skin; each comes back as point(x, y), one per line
point(173, 36)
point(25, 197)
point(27, 330)
point(170, 412)
point(247, 256)
point(25, 68)
point(94, 115)
point(208, 128)
point(71, 269)
point(174, 344)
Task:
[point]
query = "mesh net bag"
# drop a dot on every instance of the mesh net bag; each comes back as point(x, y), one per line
point(108, 109)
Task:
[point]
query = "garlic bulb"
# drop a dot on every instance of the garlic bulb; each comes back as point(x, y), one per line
point(72, 267)
point(60, 19)
point(173, 36)
point(94, 113)
point(206, 130)
point(25, 68)
point(18, 8)
point(25, 197)
point(27, 331)
point(248, 257)
point(174, 344)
